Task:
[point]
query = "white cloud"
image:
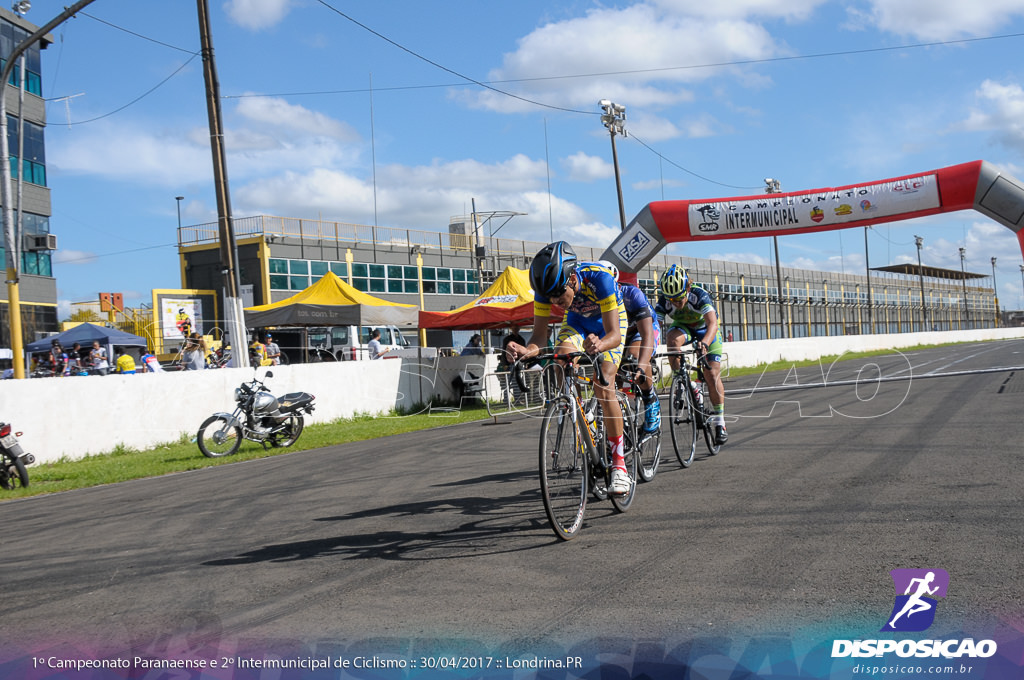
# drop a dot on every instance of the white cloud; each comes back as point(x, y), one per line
point(1001, 110)
point(257, 14)
point(941, 19)
point(649, 40)
point(292, 118)
point(585, 168)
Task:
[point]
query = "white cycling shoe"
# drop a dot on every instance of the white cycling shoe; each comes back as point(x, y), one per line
point(620, 483)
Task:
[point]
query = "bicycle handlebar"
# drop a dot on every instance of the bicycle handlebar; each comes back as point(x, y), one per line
point(595, 360)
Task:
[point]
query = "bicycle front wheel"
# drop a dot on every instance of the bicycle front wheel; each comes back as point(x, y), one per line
point(682, 419)
point(629, 452)
point(563, 470)
point(648, 444)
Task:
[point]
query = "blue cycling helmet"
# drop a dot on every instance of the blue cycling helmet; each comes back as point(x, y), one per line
point(674, 282)
point(551, 267)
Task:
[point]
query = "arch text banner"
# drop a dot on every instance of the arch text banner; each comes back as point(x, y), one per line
point(976, 185)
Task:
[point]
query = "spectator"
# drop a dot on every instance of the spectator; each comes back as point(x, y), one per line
point(98, 355)
point(75, 360)
point(193, 354)
point(150, 364)
point(374, 346)
point(271, 349)
point(472, 347)
point(728, 338)
point(125, 363)
point(58, 359)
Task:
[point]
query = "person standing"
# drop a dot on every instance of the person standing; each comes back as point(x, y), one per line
point(98, 355)
point(374, 347)
point(58, 359)
point(271, 349)
point(193, 356)
point(124, 362)
point(75, 360)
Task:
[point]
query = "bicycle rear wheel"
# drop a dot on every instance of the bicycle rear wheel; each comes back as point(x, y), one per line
point(563, 470)
point(682, 420)
point(629, 452)
point(709, 424)
point(648, 444)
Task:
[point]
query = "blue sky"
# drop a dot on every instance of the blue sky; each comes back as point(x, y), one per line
point(718, 97)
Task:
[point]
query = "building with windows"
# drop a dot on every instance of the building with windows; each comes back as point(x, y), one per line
point(26, 121)
point(280, 256)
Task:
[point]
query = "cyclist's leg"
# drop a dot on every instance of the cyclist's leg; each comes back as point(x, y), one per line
point(716, 391)
point(676, 338)
point(621, 482)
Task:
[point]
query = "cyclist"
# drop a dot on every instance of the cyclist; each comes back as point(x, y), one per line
point(594, 322)
point(642, 338)
point(691, 316)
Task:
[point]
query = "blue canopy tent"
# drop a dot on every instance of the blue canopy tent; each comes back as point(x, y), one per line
point(85, 334)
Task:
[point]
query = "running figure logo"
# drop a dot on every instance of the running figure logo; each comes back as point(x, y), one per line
point(917, 594)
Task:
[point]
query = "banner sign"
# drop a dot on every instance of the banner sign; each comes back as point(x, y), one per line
point(812, 210)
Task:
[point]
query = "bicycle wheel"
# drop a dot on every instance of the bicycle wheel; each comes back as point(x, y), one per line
point(217, 437)
point(629, 452)
point(681, 418)
point(648, 444)
point(709, 424)
point(563, 470)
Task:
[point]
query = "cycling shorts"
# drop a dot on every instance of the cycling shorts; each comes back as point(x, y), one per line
point(690, 334)
point(576, 327)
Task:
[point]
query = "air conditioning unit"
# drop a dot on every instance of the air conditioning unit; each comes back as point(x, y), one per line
point(40, 242)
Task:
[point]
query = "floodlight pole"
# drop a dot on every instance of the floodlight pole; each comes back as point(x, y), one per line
point(10, 238)
point(614, 118)
point(920, 275)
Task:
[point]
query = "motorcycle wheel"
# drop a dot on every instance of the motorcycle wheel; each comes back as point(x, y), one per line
point(293, 428)
point(13, 475)
point(217, 437)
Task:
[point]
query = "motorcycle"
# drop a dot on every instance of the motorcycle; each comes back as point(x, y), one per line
point(13, 459)
point(259, 416)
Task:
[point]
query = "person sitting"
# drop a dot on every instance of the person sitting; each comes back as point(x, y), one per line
point(472, 347)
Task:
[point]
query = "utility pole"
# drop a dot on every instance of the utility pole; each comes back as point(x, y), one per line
point(234, 315)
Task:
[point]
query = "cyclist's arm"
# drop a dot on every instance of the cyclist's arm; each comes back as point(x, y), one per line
point(538, 339)
point(711, 321)
point(612, 337)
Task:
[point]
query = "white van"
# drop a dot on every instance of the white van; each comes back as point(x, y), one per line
point(351, 343)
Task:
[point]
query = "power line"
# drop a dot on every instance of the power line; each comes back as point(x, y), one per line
point(446, 69)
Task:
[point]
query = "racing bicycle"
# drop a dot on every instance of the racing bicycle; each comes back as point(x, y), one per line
point(575, 460)
point(690, 412)
point(648, 444)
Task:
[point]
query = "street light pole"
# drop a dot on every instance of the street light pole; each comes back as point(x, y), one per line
point(963, 280)
point(920, 273)
point(179, 199)
point(995, 291)
point(773, 186)
point(614, 118)
point(10, 238)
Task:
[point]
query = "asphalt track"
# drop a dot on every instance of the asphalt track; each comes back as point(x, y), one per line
point(406, 541)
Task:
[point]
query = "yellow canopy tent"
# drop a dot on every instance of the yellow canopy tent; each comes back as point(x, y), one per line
point(331, 302)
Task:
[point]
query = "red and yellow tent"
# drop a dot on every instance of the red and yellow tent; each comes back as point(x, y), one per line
point(507, 302)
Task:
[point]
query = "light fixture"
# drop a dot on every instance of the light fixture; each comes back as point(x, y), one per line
point(22, 7)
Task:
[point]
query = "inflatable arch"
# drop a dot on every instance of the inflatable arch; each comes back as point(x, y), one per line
point(978, 185)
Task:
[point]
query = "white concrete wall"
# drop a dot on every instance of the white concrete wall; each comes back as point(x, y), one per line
point(756, 352)
point(75, 417)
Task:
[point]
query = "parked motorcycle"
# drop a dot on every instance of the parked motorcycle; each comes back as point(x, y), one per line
point(259, 416)
point(13, 459)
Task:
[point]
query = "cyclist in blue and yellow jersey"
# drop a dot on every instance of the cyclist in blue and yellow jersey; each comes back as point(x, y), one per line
point(594, 322)
point(691, 315)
